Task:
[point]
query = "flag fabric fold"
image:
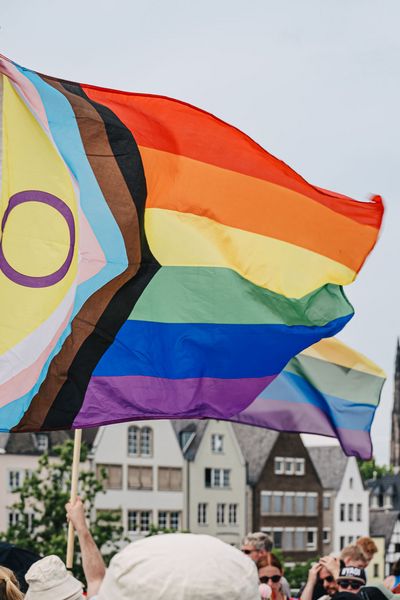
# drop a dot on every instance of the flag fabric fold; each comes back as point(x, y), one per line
point(155, 262)
point(328, 389)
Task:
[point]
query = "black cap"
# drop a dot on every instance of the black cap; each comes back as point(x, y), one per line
point(352, 574)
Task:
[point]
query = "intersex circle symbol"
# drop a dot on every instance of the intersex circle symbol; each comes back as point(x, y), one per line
point(65, 211)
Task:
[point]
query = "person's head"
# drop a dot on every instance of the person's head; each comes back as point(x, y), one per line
point(9, 588)
point(270, 571)
point(368, 546)
point(48, 579)
point(257, 544)
point(396, 568)
point(351, 579)
point(180, 565)
point(354, 556)
point(328, 581)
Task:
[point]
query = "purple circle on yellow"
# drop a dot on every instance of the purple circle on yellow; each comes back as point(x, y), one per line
point(60, 206)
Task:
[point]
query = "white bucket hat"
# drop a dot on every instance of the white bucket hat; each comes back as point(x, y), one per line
point(180, 566)
point(48, 579)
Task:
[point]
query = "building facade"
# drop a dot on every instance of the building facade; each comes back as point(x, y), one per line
point(143, 465)
point(345, 499)
point(215, 479)
point(287, 492)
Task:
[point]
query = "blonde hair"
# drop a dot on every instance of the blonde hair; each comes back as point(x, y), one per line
point(354, 552)
point(9, 587)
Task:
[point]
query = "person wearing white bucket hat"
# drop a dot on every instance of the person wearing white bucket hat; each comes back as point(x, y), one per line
point(180, 566)
point(48, 579)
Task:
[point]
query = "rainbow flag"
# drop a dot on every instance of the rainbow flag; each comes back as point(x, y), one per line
point(328, 389)
point(155, 262)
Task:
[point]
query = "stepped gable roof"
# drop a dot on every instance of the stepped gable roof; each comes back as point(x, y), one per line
point(196, 427)
point(381, 523)
point(330, 463)
point(256, 444)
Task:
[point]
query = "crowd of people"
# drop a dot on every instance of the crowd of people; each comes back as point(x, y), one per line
point(196, 567)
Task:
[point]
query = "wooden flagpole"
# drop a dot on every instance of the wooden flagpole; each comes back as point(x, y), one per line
point(74, 493)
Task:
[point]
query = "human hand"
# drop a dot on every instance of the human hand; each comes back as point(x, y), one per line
point(76, 514)
point(313, 573)
point(332, 564)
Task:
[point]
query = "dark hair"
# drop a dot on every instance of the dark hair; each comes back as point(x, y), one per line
point(396, 568)
point(269, 560)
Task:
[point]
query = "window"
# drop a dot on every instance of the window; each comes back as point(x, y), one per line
point(140, 478)
point(220, 514)
point(350, 539)
point(289, 466)
point(113, 476)
point(170, 479)
point(13, 518)
point(351, 483)
point(326, 535)
point(277, 503)
point(145, 517)
point(287, 539)
point(133, 440)
point(146, 441)
point(359, 512)
point(288, 504)
point(265, 503)
point(342, 512)
point(311, 539)
point(311, 504)
point(233, 510)
point(300, 466)
point(277, 539)
point(299, 543)
point(139, 521)
point(219, 478)
point(278, 466)
point(300, 504)
point(169, 519)
point(14, 480)
point(397, 547)
point(326, 502)
point(185, 437)
point(174, 520)
point(342, 542)
point(351, 512)
point(42, 442)
point(162, 519)
point(140, 441)
point(376, 570)
point(202, 513)
point(217, 443)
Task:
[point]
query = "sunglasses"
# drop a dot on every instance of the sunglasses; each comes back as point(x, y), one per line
point(247, 551)
point(329, 579)
point(354, 585)
point(274, 578)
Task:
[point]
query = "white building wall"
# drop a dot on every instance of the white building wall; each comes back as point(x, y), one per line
point(393, 554)
point(351, 493)
point(231, 458)
point(111, 448)
point(12, 462)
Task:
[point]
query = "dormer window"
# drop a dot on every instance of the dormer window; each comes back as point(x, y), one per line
point(217, 443)
point(42, 442)
point(140, 441)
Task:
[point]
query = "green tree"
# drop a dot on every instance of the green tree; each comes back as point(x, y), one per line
point(369, 469)
point(41, 522)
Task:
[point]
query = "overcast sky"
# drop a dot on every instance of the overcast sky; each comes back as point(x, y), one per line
point(316, 82)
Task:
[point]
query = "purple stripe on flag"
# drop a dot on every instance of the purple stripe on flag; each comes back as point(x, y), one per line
point(126, 398)
point(297, 417)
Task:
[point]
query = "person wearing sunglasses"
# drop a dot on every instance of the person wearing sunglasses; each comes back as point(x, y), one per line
point(319, 574)
point(351, 579)
point(270, 572)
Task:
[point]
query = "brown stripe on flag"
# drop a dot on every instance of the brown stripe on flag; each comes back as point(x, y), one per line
point(122, 206)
